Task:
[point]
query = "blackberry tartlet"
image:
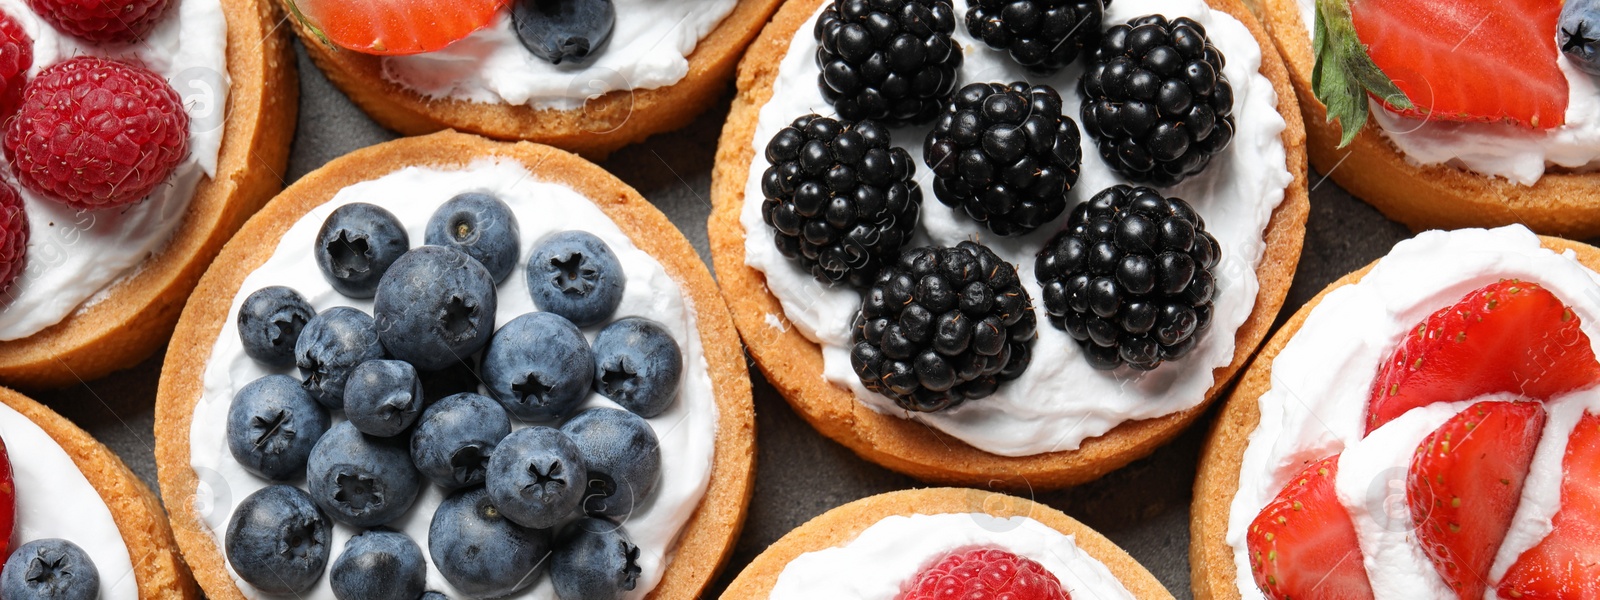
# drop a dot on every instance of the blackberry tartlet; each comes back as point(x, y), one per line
point(891, 60)
point(1042, 35)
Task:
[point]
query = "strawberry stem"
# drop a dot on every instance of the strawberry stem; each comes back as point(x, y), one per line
point(1344, 75)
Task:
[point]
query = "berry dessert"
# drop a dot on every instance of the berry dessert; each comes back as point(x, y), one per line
point(1116, 225)
point(589, 76)
point(75, 523)
point(599, 445)
point(139, 135)
point(1451, 113)
point(944, 543)
point(1424, 428)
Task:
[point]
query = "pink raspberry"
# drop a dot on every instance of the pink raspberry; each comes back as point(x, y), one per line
point(102, 21)
point(16, 57)
point(985, 574)
point(13, 235)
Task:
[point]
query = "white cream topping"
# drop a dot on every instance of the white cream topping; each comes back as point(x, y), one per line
point(1060, 400)
point(74, 256)
point(1320, 383)
point(879, 562)
point(55, 500)
point(687, 431)
point(649, 48)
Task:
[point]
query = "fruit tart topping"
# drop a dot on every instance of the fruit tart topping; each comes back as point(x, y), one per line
point(278, 541)
point(892, 61)
point(14, 234)
point(637, 364)
point(16, 58)
point(394, 27)
point(563, 31)
point(623, 456)
point(383, 397)
point(465, 524)
point(942, 326)
point(103, 21)
point(538, 478)
point(379, 563)
point(984, 573)
point(434, 305)
point(94, 133)
point(1131, 278)
point(1464, 486)
point(480, 225)
point(1566, 563)
point(361, 480)
point(330, 347)
point(272, 425)
point(270, 322)
point(841, 200)
point(1578, 34)
point(576, 275)
point(1156, 101)
point(1043, 35)
point(356, 245)
point(539, 366)
point(1507, 337)
point(1005, 155)
point(1303, 544)
point(50, 569)
point(456, 436)
point(596, 562)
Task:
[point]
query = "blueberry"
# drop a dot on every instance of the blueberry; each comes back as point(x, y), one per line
point(623, 456)
point(383, 397)
point(359, 479)
point(435, 306)
point(379, 565)
point(537, 477)
point(566, 31)
point(483, 227)
point(357, 244)
point(270, 321)
point(538, 366)
point(49, 569)
point(272, 425)
point(1578, 33)
point(596, 561)
point(278, 541)
point(331, 346)
point(637, 364)
point(460, 377)
point(479, 551)
point(432, 595)
point(576, 275)
point(455, 438)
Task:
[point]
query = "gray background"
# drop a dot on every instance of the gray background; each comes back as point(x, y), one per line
point(1144, 507)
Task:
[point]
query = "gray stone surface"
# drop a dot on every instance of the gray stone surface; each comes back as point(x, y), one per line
point(1143, 507)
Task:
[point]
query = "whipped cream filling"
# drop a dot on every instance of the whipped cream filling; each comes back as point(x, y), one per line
point(1518, 154)
point(649, 48)
point(1060, 400)
point(55, 500)
point(75, 256)
point(1316, 406)
point(884, 558)
point(687, 431)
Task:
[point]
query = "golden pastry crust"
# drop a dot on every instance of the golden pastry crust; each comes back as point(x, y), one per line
point(706, 539)
point(841, 525)
point(1212, 570)
point(140, 310)
point(794, 364)
point(603, 125)
point(1424, 197)
point(157, 568)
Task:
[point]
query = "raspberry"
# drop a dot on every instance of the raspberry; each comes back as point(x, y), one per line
point(102, 21)
point(982, 574)
point(94, 133)
point(13, 235)
point(16, 57)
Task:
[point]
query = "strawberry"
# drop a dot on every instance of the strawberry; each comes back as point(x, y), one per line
point(1464, 486)
point(1303, 545)
point(1566, 564)
point(8, 499)
point(1510, 336)
point(394, 27)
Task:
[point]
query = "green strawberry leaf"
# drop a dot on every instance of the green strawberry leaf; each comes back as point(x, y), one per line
point(1344, 74)
point(294, 9)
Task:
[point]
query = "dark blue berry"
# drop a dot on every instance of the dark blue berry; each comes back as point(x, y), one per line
point(272, 425)
point(331, 346)
point(538, 366)
point(361, 480)
point(383, 397)
point(638, 364)
point(278, 541)
point(455, 438)
point(482, 553)
point(537, 477)
point(435, 306)
point(50, 569)
point(357, 244)
point(270, 321)
point(623, 456)
point(568, 31)
point(597, 561)
point(379, 565)
point(576, 275)
point(483, 227)
point(1578, 33)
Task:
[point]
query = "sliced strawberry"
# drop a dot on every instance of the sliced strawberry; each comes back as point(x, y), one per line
point(1566, 564)
point(1303, 545)
point(1469, 60)
point(8, 500)
point(1511, 336)
point(395, 27)
point(1464, 486)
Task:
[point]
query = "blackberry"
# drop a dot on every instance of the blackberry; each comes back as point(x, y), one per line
point(1042, 35)
point(889, 60)
point(839, 197)
point(1005, 155)
point(1130, 278)
point(1156, 101)
point(942, 326)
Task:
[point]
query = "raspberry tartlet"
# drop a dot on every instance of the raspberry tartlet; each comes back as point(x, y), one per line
point(1423, 428)
point(72, 514)
point(589, 76)
point(944, 543)
point(993, 264)
point(139, 135)
point(494, 368)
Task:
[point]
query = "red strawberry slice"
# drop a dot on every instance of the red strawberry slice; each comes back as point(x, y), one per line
point(395, 27)
point(1464, 486)
point(1303, 545)
point(8, 499)
point(1469, 60)
point(1566, 564)
point(1511, 336)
